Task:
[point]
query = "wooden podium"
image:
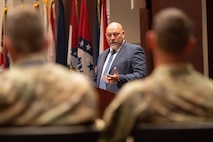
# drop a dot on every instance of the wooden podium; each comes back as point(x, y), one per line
point(105, 98)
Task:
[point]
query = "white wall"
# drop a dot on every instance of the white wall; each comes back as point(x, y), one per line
point(120, 11)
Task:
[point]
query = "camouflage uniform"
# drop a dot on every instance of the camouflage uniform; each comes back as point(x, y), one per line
point(34, 92)
point(172, 93)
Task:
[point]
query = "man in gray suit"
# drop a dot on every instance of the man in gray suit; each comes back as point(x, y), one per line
point(121, 63)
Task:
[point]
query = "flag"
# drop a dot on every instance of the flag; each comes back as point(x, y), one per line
point(85, 48)
point(103, 25)
point(51, 33)
point(72, 57)
point(97, 19)
point(4, 59)
point(61, 42)
point(52, 18)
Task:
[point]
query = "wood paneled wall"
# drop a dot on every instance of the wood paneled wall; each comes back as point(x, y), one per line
point(209, 4)
point(146, 24)
point(193, 11)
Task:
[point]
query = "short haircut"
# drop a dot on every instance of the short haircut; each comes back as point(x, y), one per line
point(173, 29)
point(25, 30)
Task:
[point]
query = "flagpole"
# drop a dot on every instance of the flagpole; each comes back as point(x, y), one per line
point(51, 32)
point(46, 14)
point(108, 11)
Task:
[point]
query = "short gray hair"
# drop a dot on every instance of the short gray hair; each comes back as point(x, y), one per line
point(25, 30)
point(173, 29)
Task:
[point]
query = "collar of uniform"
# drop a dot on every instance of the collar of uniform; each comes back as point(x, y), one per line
point(172, 68)
point(32, 59)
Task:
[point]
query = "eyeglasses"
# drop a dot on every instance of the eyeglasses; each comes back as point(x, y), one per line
point(114, 34)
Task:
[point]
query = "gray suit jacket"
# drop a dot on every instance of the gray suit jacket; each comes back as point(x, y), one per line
point(130, 62)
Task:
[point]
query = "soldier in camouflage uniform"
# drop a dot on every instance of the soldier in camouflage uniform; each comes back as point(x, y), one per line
point(35, 92)
point(174, 92)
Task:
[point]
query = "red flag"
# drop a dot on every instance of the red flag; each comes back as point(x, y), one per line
point(85, 47)
point(52, 18)
point(4, 59)
point(103, 42)
point(72, 57)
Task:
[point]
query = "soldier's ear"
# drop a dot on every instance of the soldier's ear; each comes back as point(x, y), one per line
point(190, 45)
point(9, 46)
point(150, 40)
point(7, 43)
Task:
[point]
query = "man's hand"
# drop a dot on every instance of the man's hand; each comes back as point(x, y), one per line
point(112, 79)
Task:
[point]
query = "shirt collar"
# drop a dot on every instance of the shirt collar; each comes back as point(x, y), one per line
point(172, 68)
point(118, 48)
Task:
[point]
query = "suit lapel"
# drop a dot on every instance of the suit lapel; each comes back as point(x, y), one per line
point(121, 51)
point(102, 60)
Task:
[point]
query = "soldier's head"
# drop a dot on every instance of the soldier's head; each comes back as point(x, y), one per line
point(24, 32)
point(172, 32)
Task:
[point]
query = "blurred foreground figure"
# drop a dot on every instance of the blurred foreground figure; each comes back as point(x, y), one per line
point(174, 92)
point(35, 92)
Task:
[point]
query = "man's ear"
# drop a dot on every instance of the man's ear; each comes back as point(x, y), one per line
point(190, 45)
point(9, 46)
point(150, 40)
point(123, 34)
